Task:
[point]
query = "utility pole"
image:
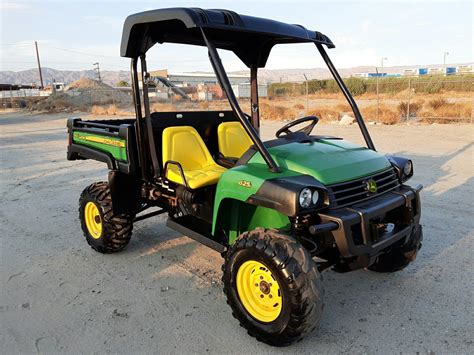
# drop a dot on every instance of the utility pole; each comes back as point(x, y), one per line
point(97, 69)
point(377, 88)
point(306, 82)
point(444, 58)
point(39, 65)
point(381, 61)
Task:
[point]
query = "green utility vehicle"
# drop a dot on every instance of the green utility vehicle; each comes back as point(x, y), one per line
point(279, 211)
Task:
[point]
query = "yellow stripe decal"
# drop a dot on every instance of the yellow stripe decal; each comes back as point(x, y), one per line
point(102, 140)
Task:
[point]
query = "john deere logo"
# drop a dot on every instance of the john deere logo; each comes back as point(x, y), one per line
point(371, 186)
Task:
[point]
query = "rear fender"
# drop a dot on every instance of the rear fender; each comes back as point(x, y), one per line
point(125, 192)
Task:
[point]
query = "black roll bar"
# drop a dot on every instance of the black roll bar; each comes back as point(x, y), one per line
point(225, 84)
point(348, 96)
point(139, 121)
point(148, 125)
point(254, 98)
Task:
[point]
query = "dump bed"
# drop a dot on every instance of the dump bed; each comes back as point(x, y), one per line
point(110, 141)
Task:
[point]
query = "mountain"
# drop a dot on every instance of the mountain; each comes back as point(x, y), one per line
point(63, 76)
point(265, 75)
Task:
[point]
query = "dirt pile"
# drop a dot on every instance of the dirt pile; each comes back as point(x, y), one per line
point(83, 94)
point(88, 84)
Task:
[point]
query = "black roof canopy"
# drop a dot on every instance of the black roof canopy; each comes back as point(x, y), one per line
point(250, 38)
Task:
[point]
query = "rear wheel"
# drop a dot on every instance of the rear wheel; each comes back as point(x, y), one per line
point(273, 287)
point(104, 231)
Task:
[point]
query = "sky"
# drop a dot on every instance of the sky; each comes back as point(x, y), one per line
point(72, 35)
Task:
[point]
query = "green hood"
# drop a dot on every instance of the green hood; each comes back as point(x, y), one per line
point(329, 161)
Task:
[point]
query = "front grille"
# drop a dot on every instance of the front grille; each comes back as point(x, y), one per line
point(355, 191)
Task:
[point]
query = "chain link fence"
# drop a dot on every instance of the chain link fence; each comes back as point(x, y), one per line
point(384, 100)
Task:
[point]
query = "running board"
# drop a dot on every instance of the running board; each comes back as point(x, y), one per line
point(195, 235)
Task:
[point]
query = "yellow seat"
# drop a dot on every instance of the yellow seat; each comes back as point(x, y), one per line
point(185, 146)
point(233, 140)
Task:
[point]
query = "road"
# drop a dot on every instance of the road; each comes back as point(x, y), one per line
point(163, 294)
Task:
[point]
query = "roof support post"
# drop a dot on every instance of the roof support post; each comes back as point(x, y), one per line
point(148, 125)
point(348, 96)
point(138, 114)
point(225, 84)
point(254, 98)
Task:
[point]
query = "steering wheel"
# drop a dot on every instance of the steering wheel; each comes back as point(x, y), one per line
point(307, 129)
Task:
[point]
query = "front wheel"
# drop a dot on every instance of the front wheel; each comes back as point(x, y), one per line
point(273, 287)
point(105, 231)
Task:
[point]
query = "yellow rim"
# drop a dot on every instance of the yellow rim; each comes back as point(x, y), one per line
point(259, 291)
point(93, 220)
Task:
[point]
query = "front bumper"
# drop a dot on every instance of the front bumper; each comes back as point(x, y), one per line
point(369, 229)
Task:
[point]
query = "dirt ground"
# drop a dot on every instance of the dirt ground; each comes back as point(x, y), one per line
point(163, 294)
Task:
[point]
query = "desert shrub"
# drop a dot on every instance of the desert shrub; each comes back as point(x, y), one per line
point(385, 115)
point(324, 112)
point(356, 86)
point(438, 103)
point(449, 112)
point(343, 108)
point(98, 110)
point(299, 106)
point(276, 112)
point(414, 107)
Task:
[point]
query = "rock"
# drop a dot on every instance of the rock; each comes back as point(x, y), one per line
point(372, 123)
point(346, 120)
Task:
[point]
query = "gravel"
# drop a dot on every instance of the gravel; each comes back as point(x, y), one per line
point(161, 294)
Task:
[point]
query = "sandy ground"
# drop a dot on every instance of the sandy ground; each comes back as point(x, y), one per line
point(163, 294)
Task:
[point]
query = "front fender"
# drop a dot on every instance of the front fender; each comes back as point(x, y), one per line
point(251, 196)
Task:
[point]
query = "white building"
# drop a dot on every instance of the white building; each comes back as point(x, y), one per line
point(194, 79)
point(243, 90)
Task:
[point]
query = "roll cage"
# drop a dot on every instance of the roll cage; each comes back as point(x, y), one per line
point(250, 38)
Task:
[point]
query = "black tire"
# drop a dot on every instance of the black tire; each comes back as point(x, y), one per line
point(399, 257)
point(298, 279)
point(116, 229)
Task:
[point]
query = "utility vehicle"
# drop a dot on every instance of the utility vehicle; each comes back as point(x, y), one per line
point(279, 211)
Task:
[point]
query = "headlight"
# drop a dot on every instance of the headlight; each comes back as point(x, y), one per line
point(315, 197)
point(408, 168)
point(305, 198)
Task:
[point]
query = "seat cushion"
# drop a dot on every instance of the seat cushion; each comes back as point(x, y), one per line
point(233, 140)
point(184, 145)
point(208, 175)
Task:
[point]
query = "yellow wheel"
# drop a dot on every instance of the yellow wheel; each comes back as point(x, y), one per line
point(259, 291)
point(93, 220)
point(273, 286)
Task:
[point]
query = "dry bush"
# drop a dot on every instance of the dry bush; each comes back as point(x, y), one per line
point(112, 110)
point(161, 107)
point(447, 113)
point(414, 107)
point(275, 112)
point(386, 115)
point(344, 108)
point(299, 106)
point(98, 110)
point(204, 105)
point(324, 113)
point(438, 103)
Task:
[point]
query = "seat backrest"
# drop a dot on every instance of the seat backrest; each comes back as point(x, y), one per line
point(184, 145)
point(233, 140)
